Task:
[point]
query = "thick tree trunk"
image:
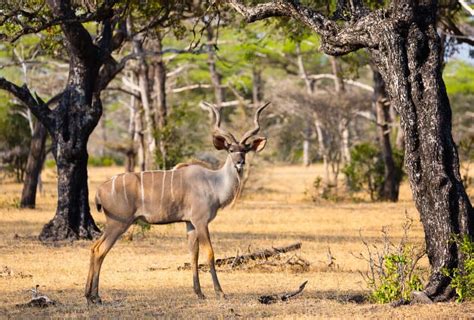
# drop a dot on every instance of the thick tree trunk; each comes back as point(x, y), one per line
point(410, 53)
point(33, 166)
point(73, 219)
point(392, 177)
point(73, 126)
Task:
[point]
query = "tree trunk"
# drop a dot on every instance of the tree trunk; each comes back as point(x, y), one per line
point(211, 61)
point(392, 177)
point(344, 134)
point(33, 166)
point(410, 53)
point(73, 123)
point(148, 108)
point(307, 130)
point(162, 107)
point(257, 86)
point(73, 219)
point(307, 143)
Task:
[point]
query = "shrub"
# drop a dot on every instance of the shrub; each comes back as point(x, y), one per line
point(393, 273)
point(15, 137)
point(181, 137)
point(105, 161)
point(366, 170)
point(462, 279)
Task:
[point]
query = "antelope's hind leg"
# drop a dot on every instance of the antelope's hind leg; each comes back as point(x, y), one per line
point(193, 245)
point(113, 230)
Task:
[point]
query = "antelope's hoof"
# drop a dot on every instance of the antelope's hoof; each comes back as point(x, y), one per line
point(201, 296)
point(94, 300)
point(221, 295)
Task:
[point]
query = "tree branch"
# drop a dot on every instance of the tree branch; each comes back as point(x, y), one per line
point(466, 7)
point(336, 40)
point(43, 24)
point(350, 82)
point(80, 41)
point(35, 104)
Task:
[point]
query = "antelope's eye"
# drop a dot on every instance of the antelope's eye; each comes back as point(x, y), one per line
point(231, 149)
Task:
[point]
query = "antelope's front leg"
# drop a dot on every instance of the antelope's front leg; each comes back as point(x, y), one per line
point(205, 240)
point(193, 245)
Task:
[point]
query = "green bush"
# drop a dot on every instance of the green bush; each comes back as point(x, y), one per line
point(366, 170)
point(396, 280)
point(50, 163)
point(15, 138)
point(392, 270)
point(105, 161)
point(462, 279)
point(182, 136)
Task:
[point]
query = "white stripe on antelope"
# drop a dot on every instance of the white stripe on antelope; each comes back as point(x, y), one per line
point(194, 201)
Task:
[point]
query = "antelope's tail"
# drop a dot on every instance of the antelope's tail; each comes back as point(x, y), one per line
point(98, 205)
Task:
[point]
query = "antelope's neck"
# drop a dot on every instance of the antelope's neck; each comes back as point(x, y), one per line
point(228, 182)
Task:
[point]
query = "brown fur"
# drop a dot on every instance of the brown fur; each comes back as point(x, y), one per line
point(193, 162)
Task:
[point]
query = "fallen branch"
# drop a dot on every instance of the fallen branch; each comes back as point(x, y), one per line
point(269, 299)
point(37, 300)
point(263, 254)
point(242, 259)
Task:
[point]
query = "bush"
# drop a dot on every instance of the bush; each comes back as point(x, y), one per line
point(15, 137)
point(366, 170)
point(105, 161)
point(393, 272)
point(462, 279)
point(181, 137)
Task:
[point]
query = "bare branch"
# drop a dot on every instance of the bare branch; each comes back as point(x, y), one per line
point(192, 87)
point(466, 7)
point(350, 82)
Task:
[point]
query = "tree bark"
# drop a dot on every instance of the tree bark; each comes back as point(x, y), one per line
point(73, 219)
point(34, 164)
point(392, 177)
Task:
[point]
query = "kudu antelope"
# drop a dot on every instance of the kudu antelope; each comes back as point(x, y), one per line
point(189, 193)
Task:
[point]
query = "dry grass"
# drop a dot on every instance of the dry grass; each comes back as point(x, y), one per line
point(140, 278)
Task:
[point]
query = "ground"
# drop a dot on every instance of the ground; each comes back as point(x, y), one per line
point(140, 276)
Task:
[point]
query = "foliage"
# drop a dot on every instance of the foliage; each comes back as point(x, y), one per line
point(181, 136)
point(393, 273)
point(462, 279)
point(15, 139)
point(104, 161)
point(459, 77)
point(466, 157)
point(365, 171)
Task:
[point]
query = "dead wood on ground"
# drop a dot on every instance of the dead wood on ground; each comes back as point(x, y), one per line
point(265, 259)
point(269, 299)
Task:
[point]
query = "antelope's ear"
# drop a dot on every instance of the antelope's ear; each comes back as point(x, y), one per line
point(258, 144)
point(220, 142)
